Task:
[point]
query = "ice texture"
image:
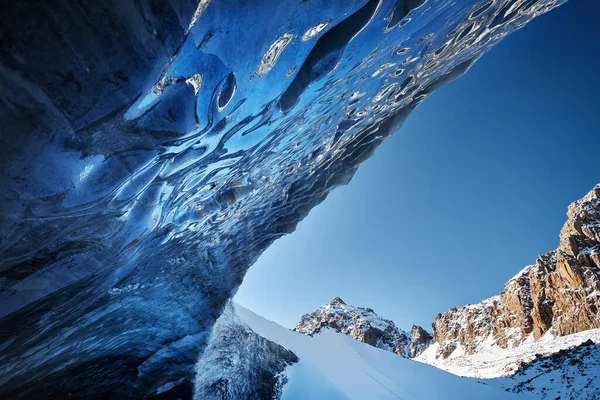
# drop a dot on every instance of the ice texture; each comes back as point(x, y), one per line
point(239, 364)
point(152, 149)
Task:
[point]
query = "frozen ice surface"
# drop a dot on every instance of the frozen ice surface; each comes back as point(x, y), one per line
point(152, 149)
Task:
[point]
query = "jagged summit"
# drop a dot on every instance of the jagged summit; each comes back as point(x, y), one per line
point(364, 325)
point(337, 300)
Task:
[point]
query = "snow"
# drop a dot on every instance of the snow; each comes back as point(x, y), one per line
point(570, 374)
point(311, 323)
point(335, 366)
point(589, 250)
point(492, 361)
point(354, 321)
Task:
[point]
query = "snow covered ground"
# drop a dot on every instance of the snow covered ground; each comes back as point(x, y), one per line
point(567, 374)
point(491, 361)
point(334, 366)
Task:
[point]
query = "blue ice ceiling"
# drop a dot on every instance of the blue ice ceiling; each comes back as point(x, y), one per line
point(151, 150)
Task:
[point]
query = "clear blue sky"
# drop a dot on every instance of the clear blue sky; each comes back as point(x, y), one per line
point(468, 192)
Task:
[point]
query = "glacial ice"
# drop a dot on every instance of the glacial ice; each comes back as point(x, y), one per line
point(152, 149)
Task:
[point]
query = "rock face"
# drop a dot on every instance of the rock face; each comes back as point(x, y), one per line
point(560, 293)
point(420, 340)
point(364, 325)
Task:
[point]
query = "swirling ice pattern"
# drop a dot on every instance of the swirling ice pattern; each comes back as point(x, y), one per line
point(138, 217)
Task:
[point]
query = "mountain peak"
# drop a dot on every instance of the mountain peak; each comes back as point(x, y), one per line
point(337, 300)
point(364, 325)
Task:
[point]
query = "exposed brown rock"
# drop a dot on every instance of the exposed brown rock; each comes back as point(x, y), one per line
point(559, 293)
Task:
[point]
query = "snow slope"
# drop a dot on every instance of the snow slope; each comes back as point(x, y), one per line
point(492, 361)
point(335, 366)
point(567, 374)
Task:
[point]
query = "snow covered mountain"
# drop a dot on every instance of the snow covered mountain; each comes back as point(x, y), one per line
point(565, 367)
point(364, 325)
point(545, 322)
point(251, 357)
point(546, 302)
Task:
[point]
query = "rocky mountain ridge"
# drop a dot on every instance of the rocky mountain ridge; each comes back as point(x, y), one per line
point(559, 294)
point(364, 325)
